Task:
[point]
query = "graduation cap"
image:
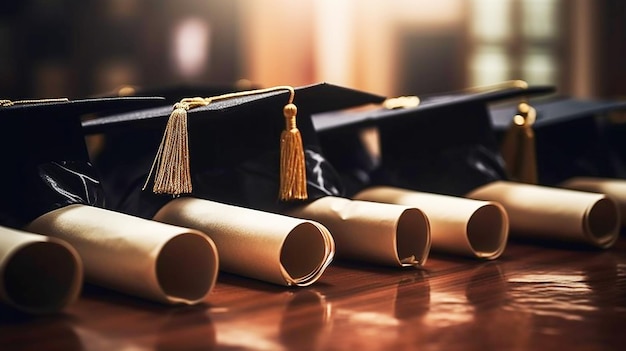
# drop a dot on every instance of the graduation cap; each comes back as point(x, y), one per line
point(46, 165)
point(561, 137)
point(443, 145)
point(51, 188)
point(232, 148)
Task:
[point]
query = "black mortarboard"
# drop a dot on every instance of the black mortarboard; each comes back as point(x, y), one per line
point(444, 145)
point(51, 188)
point(46, 165)
point(567, 136)
point(234, 148)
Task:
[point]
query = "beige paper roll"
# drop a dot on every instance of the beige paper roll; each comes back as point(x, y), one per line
point(555, 214)
point(385, 234)
point(140, 257)
point(457, 226)
point(256, 244)
point(38, 274)
point(615, 188)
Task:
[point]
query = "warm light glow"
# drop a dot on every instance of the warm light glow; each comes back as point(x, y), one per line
point(249, 336)
point(369, 318)
point(540, 18)
point(277, 43)
point(491, 20)
point(496, 24)
point(565, 295)
point(489, 65)
point(334, 40)
point(192, 38)
point(448, 309)
point(539, 68)
point(425, 13)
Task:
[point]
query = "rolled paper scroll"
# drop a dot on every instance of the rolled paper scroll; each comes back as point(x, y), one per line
point(555, 214)
point(457, 226)
point(136, 256)
point(256, 244)
point(385, 234)
point(615, 188)
point(38, 274)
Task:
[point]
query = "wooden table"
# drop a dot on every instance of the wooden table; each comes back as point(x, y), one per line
point(534, 297)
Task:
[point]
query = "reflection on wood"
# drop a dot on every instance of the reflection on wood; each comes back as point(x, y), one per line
point(533, 297)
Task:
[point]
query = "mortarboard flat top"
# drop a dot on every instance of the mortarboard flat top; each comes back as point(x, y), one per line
point(34, 109)
point(555, 110)
point(333, 121)
point(310, 99)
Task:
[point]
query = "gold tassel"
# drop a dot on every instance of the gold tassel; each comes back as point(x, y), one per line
point(518, 146)
point(173, 175)
point(292, 162)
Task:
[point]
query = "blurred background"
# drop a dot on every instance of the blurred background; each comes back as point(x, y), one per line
point(78, 48)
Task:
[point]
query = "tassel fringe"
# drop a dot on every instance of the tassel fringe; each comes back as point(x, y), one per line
point(292, 162)
point(173, 175)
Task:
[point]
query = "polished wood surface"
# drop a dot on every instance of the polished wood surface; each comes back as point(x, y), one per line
point(533, 297)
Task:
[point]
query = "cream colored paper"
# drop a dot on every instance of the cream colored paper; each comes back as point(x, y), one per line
point(38, 274)
point(385, 234)
point(256, 244)
point(136, 256)
point(457, 226)
point(556, 214)
point(615, 188)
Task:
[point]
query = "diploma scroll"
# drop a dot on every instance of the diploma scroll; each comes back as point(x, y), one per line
point(256, 244)
point(136, 256)
point(615, 188)
point(38, 274)
point(458, 226)
point(385, 234)
point(555, 214)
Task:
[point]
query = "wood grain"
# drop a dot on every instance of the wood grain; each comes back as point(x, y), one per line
point(533, 297)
